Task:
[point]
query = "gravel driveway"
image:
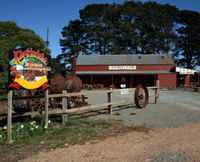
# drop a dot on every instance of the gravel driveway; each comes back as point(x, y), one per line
point(174, 108)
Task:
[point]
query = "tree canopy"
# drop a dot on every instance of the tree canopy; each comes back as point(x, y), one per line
point(133, 28)
point(57, 66)
point(189, 38)
point(13, 37)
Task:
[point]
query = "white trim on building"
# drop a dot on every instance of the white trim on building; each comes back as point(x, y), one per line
point(181, 70)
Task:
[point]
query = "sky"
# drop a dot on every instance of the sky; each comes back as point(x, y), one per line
point(38, 15)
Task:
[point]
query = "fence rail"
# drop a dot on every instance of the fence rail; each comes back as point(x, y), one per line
point(65, 109)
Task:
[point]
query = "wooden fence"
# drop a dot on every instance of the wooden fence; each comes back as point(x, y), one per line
point(65, 109)
point(96, 106)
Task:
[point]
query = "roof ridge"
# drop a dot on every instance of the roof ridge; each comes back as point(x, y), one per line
point(125, 59)
point(124, 55)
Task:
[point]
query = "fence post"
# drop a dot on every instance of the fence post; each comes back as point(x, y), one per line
point(64, 106)
point(46, 108)
point(157, 93)
point(9, 117)
point(109, 97)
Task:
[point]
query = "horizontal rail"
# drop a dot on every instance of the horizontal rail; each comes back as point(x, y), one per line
point(154, 87)
point(91, 107)
point(92, 92)
point(22, 97)
point(74, 110)
point(72, 94)
point(79, 93)
point(33, 114)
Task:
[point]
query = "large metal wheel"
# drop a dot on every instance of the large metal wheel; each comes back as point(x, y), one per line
point(37, 102)
point(34, 103)
point(141, 96)
point(76, 101)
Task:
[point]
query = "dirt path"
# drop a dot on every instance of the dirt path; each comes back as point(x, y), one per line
point(168, 144)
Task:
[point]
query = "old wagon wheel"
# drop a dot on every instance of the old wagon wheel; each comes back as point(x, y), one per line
point(76, 101)
point(36, 103)
point(55, 103)
point(141, 96)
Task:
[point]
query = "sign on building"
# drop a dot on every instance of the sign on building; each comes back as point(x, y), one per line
point(122, 67)
point(28, 69)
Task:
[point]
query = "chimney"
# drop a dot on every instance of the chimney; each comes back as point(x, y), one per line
point(73, 62)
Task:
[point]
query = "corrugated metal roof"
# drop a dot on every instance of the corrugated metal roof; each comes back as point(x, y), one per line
point(123, 72)
point(122, 59)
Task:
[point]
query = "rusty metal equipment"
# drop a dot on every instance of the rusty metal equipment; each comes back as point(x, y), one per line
point(141, 96)
point(70, 83)
point(59, 82)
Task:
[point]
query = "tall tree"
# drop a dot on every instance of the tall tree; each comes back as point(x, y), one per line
point(189, 38)
point(57, 66)
point(97, 19)
point(12, 37)
point(155, 24)
point(73, 44)
point(132, 28)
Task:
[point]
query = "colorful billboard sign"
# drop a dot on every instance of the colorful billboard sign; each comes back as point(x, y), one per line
point(28, 69)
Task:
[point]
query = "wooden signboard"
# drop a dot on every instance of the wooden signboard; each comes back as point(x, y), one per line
point(28, 69)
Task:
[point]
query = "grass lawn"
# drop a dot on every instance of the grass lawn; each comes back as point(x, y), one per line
point(75, 131)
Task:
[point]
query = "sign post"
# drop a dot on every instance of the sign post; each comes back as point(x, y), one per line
point(28, 70)
point(46, 107)
point(9, 117)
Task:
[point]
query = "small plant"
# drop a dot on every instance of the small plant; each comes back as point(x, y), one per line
point(3, 135)
point(22, 131)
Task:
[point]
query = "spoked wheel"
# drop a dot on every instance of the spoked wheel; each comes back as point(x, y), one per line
point(141, 96)
point(37, 102)
point(55, 103)
point(76, 101)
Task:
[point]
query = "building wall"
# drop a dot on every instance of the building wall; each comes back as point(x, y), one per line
point(168, 80)
point(138, 68)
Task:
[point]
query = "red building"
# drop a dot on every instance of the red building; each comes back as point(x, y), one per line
point(126, 69)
